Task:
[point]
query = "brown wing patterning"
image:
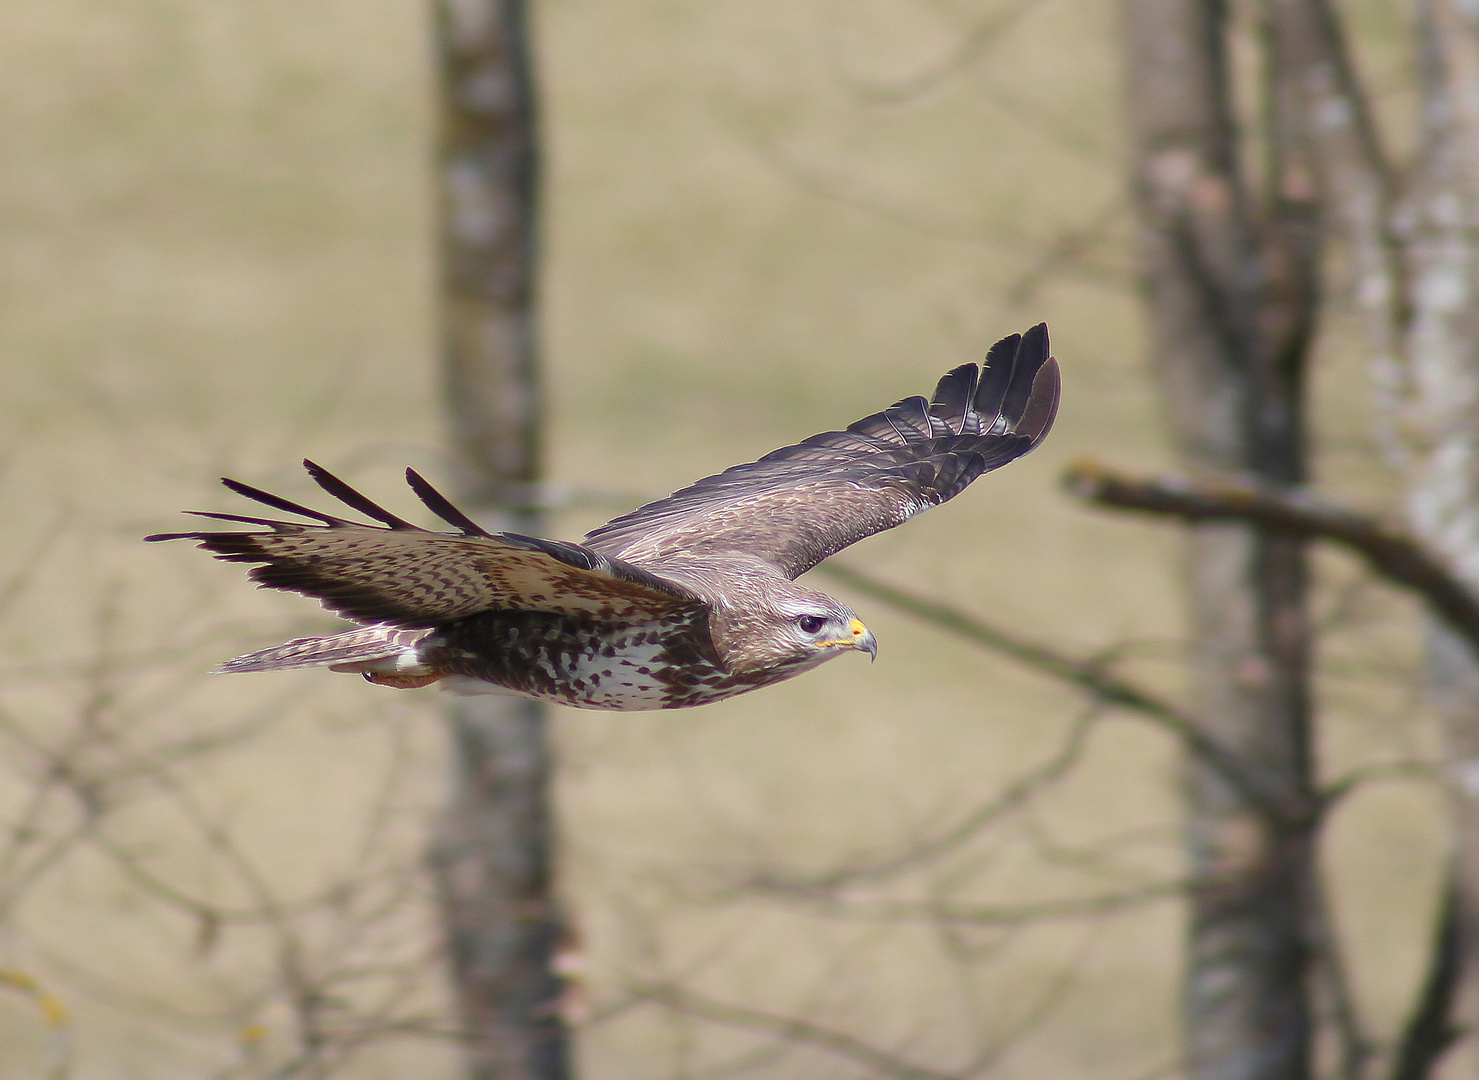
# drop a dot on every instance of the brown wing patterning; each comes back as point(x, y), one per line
point(399, 573)
point(799, 504)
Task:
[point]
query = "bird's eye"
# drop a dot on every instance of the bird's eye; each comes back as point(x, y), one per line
point(810, 624)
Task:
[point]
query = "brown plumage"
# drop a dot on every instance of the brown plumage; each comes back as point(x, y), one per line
point(683, 601)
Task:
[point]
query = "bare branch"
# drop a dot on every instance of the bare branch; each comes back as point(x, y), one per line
point(943, 912)
point(1070, 245)
point(25, 572)
point(1356, 1047)
point(789, 1028)
point(926, 850)
point(1430, 1031)
point(1356, 778)
point(1358, 189)
point(1087, 676)
point(970, 48)
point(844, 191)
point(1390, 550)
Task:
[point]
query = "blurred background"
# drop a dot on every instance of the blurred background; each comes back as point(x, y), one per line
point(761, 220)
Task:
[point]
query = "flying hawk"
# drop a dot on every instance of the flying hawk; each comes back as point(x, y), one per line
point(684, 601)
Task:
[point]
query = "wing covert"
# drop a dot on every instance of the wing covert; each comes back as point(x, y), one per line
point(401, 574)
point(800, 504)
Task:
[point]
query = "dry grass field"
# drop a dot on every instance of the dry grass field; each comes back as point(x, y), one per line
point(763, 219)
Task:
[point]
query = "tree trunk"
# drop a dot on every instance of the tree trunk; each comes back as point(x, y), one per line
point(1230, 302)
point(493, 857)
point(1436, 226)
point(1416, 286)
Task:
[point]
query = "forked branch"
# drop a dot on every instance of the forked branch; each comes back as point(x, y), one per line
point(1391, 551)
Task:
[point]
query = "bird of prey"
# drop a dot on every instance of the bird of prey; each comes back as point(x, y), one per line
point(687, 600)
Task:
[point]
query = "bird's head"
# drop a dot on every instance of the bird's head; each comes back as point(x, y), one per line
point(785, 625)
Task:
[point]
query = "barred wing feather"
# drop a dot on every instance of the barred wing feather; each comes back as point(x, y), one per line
point(411, 577)
point(800, 504)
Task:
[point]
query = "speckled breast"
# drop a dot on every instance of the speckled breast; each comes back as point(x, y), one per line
point(663, 664)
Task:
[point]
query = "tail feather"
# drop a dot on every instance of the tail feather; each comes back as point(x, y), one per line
point(362, 644)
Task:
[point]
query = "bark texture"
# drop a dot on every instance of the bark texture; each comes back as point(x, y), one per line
point(1437, 419)
point(1415, 261)
point(493, 857)
point(1231, 301)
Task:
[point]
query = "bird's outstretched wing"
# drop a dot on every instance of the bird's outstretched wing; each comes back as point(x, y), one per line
point(401, 574)
point(799, 504)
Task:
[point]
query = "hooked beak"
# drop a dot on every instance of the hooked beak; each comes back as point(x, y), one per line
point(859, 637)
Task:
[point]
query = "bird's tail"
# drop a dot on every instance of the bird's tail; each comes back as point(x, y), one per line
point(364, 648)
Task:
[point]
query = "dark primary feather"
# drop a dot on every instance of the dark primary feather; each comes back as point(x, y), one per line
point(401, 574)
point(438, 504)
point(349, 497)
point(797, 505)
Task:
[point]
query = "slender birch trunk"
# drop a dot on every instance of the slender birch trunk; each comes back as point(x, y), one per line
point(1231, 304)
point(1415, 276)
point(1437, 420)
point(493, 857)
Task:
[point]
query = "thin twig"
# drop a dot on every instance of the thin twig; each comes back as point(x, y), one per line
point(1356, 1048)
point(942, 912)
point(1429, 1031)
point(792, 1029)
point(1085, 675)
point(927, 850)
point(970, 48)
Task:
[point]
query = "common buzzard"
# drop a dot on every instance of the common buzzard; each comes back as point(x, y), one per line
point(684, 601)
